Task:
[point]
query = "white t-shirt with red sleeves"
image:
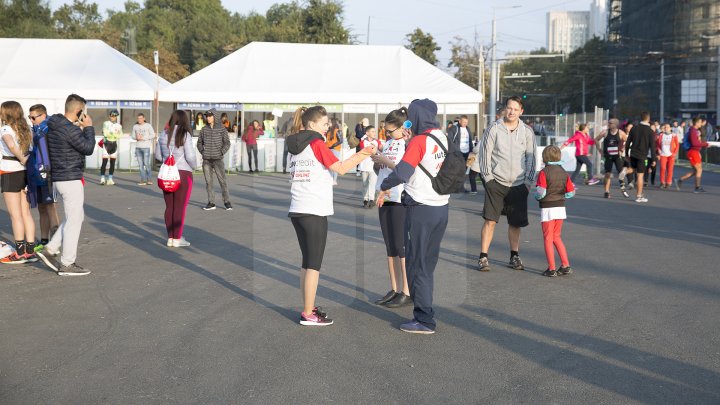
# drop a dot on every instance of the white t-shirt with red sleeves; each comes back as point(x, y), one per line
point(422, 149)
point(367, 164)
point(394, 149)
point(311, 182)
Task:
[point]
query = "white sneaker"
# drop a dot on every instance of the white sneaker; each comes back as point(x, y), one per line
point(641, 199)
point(170, 242)
point(110, 182)
point(180, 242)
point(102, 180)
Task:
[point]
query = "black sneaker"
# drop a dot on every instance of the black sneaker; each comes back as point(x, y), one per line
point(209, 206)
point(365, 203)
point(516, 263)
point(550, 273)
point(228, 206)
point(483, 264)
point(607, 195)
point(400, 300)
point(50, 259)
point(389, 296)
point(72, 270)
point(699, 190)
point(564, 271)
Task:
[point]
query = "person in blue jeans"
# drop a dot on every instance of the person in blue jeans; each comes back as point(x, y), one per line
point(144, 134)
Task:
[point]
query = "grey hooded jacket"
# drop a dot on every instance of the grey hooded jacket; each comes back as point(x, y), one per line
point(508, 157)
point(214, 141)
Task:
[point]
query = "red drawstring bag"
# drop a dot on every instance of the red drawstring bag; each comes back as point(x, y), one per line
point(168, 176)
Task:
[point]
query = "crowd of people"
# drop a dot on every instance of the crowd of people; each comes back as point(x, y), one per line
point(44, 163)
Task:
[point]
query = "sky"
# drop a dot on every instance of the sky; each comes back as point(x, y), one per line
point(518, 29)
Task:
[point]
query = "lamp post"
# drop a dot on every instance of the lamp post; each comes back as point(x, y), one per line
point(494, 85)
point(156, 59)
point(662, 82)
point(614, 100)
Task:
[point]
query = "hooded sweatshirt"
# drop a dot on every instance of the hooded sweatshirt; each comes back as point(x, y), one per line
point(421, 150)
point(508, 157)
point(311, 188)
point(214, 141)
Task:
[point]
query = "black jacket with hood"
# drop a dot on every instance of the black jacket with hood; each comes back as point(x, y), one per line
point(68, 145)
point(298, 142)
point(214, 141)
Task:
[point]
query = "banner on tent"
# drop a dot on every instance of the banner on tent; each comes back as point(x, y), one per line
point(359, 108)
point(136, 104)
point(193, 106)
point(336, 108)
point(270, 154)
point(102, 104)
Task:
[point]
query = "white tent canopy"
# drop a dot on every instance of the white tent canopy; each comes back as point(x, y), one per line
point(50, 69)
point(264, 72)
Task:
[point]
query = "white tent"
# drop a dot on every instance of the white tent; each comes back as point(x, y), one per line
point(47, 70)
point(264, 72)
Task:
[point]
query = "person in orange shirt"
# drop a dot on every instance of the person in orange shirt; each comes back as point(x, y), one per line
point(381, 132)
point(334, 140)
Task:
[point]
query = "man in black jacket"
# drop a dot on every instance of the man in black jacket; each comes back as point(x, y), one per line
point(70, 138)
point(460, 135)
point(212, 144)
point(639, 147)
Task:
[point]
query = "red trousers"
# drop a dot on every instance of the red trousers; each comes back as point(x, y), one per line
point(176, 205)
point(666, 169)
point(551, 235)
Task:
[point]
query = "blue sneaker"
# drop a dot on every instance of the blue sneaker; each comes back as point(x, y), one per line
point(416, 327)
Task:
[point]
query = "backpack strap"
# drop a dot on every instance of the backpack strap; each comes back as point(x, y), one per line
point(434, 138)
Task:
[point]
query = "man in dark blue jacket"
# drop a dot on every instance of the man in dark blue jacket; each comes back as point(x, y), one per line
point(70, 138)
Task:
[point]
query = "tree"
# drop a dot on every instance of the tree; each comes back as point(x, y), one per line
point(423, 45)
point(465, 58)
point(26, 19)
point(322, 23)
point(79, 20)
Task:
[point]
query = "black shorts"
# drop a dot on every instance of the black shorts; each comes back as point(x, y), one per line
point(503, 200)
point(614, 160)
point(637, 164)
point(392, 224)
point(311, 231)
point(13, 182)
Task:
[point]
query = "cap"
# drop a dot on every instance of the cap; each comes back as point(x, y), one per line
point(208, 112)
point(114, 113)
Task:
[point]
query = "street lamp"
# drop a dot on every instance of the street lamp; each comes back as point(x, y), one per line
point(494, 85)
point(662, 82)
point(615, 100)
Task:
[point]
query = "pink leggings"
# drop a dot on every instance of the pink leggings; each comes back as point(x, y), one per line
point(551, 234)
point(176, 204)
point(666, 169)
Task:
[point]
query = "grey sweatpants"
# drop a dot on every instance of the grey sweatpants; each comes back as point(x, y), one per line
point(67, 236)
point(218, 167)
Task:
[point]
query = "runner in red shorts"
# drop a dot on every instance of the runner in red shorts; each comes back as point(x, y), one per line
point(694, 155)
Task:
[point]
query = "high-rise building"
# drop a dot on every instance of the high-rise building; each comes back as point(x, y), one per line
point(598, 19)
point(567, 30)
point(680, 38)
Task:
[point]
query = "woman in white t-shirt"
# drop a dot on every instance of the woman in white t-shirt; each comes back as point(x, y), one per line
point(311, 202)
point(15, 147)
point(392, 212)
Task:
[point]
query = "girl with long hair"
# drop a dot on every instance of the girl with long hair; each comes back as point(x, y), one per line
point(311, 164)
point(177, 140)
point(15, 147)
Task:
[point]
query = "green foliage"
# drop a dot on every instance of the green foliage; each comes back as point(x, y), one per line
point(465, 59)
point(423, 45)
point(189, 34)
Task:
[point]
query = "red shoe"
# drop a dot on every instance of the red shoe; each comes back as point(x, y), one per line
point(13, 259)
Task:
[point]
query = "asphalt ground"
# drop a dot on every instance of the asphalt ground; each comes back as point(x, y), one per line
point(217, 322)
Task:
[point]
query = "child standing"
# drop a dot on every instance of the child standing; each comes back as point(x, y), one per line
point(553, 187)
point(369, 178)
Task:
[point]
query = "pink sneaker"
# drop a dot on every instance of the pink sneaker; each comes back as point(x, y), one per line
point(316, 318)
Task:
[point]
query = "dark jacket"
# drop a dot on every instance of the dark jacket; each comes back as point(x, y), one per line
point(298, 142)
point(555, 184)
point(68, 145)
point(640, 141)
point(214, 141)
point(454, 135)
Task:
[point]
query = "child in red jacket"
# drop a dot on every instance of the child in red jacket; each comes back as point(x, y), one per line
point(552, 188)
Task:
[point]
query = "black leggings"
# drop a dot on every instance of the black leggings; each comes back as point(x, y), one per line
point(392, 224)
point(252, 150)
point(473, 180)
point(104, 164)
point(311, 231)
point(582, 159)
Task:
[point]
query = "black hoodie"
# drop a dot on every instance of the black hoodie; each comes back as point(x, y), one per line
point(68, 145)
point(298, 142)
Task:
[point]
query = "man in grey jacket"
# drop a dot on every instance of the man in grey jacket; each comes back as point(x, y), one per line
point(507, 166)
point(212, 144)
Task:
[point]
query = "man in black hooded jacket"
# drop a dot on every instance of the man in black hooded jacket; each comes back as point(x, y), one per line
point(212, 144)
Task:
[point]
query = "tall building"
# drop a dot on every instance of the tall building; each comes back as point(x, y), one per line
point(567, 30)
point(680, 37)
point(598, 19)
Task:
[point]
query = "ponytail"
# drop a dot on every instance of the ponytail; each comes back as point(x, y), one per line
point(397, 117)
point(297, 123)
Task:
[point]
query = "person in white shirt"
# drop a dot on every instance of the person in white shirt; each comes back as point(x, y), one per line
point(461, 136)
point(144, 134)
point(369, 178)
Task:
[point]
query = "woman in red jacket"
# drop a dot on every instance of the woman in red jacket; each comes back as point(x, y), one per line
point(693, 155)
point(253, 131)
point(667, 145)
point(582, 141)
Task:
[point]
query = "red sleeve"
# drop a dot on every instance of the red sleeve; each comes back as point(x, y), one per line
point(323, 153)
point(569, 186)
point(541, 180)
point(362, 144)
point(415, 150)
point(570, 140)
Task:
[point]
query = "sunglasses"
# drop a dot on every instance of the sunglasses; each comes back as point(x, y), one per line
point(33, 118)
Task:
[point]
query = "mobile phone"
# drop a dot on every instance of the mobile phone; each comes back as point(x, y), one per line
point(81, 116)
